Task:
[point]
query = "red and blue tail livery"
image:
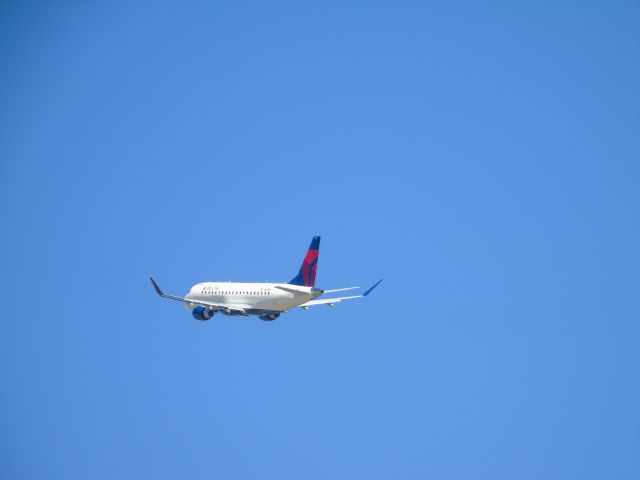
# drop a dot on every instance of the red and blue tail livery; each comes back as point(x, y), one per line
point(265, 300)
point(307, 275)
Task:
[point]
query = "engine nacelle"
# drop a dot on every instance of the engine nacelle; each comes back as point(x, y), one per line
point(202, 313)
point(269, 317)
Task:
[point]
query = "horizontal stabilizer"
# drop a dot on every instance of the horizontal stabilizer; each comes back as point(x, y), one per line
point(340, 289)
point(292, 289)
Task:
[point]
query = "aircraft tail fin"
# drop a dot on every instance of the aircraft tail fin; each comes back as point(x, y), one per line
point(307, 275)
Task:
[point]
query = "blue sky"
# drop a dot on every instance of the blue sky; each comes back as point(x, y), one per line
point(483, 159)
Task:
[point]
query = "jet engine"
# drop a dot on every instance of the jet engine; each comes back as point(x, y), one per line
point(202, 313)
point(270, 317)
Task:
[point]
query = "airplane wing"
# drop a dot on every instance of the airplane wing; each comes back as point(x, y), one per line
point(332, 301)
point(213, 306)
point(291, 289)
point(238, 310)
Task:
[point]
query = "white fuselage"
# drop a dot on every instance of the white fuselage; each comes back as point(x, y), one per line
point(267, 297)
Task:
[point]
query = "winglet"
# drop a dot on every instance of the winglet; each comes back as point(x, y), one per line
point(156, 287)
point(371, 289)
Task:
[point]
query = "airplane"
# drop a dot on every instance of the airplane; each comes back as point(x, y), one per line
point(266, 300)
